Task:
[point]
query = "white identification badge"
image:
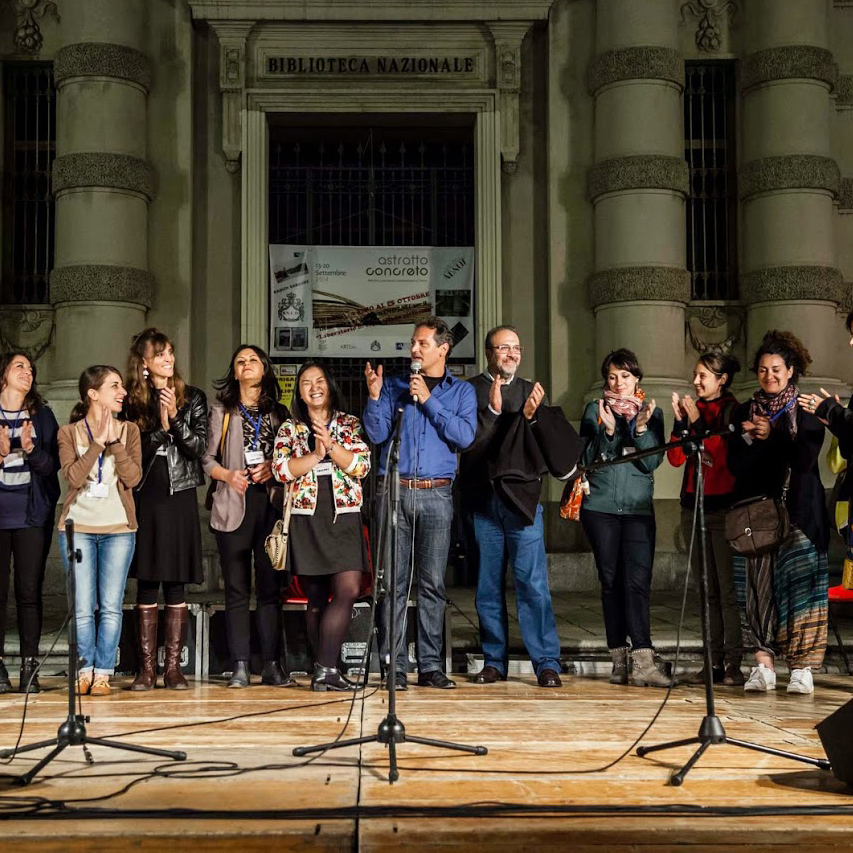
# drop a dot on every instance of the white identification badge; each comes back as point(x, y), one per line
point(627, 451)
point(324, 468)
point(14, 459)
point(98, 490)
point(254, 457)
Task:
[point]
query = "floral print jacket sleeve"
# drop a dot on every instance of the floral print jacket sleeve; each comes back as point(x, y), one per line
point(292, 442)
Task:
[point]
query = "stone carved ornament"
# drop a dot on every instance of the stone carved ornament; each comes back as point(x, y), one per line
point(28, 37)
point(706, 324)
point(30, 329)
point(710, 14)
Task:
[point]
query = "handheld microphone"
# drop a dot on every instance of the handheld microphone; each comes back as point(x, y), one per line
point(415, 368)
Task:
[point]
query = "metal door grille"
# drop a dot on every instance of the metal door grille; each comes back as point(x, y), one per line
point(28, 210)
point(709, 130)
point(370, 187)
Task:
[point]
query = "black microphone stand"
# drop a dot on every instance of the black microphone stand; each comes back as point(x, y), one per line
point(391, 730)
point(72, 732)
point(711, 731)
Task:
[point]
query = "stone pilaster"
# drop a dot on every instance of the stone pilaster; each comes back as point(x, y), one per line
point(638, 185)
point(103, 183)
point(788, 179)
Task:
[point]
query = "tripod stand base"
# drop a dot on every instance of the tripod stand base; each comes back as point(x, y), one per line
point(711, 732)
point(391, 732)
point(73, 733)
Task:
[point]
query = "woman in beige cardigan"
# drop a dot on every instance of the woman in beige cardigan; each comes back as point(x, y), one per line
point(101, 460)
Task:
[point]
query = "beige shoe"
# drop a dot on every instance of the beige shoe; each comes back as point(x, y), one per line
point(100, 686)
point(84, 682)
point(644, 671)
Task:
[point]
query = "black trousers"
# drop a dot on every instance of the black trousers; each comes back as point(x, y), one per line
point(27, 548)
point(236, 550)
point(624, 550)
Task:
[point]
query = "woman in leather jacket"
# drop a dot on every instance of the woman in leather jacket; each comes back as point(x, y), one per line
point(172, 417)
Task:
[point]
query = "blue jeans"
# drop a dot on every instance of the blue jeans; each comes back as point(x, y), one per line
point(501, 534)
point(429, 513)
point(100, 579)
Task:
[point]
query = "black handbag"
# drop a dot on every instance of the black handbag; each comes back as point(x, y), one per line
point(756, 526)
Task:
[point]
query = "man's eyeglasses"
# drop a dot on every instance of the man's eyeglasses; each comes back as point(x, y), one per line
point(506, 349)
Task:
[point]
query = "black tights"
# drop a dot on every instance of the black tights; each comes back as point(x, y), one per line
point(327, 621)
point(173, 592)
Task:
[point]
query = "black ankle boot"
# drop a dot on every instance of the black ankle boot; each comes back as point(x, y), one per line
point(329, 678)
point(29, 676)
point(5, 683)
point(240, 676)
point(274, 675)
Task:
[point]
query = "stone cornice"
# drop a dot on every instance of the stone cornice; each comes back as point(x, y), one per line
point(372, 10)
point(114, 171)
point(627, 284)
point(640, 171)
point(789, 62)
point(636, 63)
point(845, 194)
point(844, 91)
point(777, 284)
point(791, 171)
point(101, 282)
point(90, 59)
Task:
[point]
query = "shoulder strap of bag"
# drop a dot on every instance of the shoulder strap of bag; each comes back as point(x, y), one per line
point(225, 422)
point(288, 504)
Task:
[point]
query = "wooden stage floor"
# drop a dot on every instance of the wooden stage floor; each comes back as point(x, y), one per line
point(540, 741)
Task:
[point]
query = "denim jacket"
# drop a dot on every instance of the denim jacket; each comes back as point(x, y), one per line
point(292, 441)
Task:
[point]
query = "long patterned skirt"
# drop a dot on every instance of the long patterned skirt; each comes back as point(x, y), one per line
point(783, 601)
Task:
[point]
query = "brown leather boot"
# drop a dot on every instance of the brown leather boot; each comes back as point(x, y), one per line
point(176, 628)
point(146, 636)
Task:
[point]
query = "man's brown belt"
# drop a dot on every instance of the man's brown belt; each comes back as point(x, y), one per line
point(425, 484)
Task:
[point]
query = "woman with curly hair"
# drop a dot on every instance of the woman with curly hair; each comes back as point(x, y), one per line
point(322, 454)
point(782, 594)
point(172, 418)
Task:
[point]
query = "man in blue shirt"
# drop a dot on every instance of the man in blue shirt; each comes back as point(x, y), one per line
point(439, 419)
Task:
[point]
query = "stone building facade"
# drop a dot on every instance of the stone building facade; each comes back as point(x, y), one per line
point(582, 176)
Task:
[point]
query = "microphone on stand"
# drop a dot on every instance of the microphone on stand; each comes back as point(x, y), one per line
point(415, 368)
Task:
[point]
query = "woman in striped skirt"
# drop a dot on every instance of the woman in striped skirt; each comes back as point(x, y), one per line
point(783, 594)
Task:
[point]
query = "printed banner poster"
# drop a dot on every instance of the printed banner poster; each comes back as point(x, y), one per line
point(363, 301)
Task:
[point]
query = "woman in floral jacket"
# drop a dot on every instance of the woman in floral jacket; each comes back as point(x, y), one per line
point(325, 452)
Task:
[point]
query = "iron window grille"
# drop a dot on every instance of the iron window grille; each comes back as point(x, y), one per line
point(709, 145)
point(28, 208)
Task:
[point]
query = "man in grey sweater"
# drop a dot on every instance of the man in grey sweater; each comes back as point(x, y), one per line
point(501, 533)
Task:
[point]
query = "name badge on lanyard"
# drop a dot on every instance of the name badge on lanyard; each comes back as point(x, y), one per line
point(98, 490)
point(255, 456)
point(324, 469)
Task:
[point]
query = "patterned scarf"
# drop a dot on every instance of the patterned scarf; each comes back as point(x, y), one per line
point(625, 407)
point(771, 405)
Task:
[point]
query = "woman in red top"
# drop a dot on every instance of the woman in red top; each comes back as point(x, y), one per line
point(710, 412)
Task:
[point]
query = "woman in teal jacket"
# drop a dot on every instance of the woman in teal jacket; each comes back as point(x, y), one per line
point(618, 514)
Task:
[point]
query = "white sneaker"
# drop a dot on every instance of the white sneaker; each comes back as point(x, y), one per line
point(760, 680)
point(801, 681)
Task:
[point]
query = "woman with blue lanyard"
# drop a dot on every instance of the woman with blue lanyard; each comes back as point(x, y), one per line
point(101, 461)
point(242, 426)
point(775, 451)
point(29, 490)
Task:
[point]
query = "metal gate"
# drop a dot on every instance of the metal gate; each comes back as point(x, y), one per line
point(370, 186)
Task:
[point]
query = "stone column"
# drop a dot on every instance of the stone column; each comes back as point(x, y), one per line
point(103, 183)
point(637, 185)
point(788, 180)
